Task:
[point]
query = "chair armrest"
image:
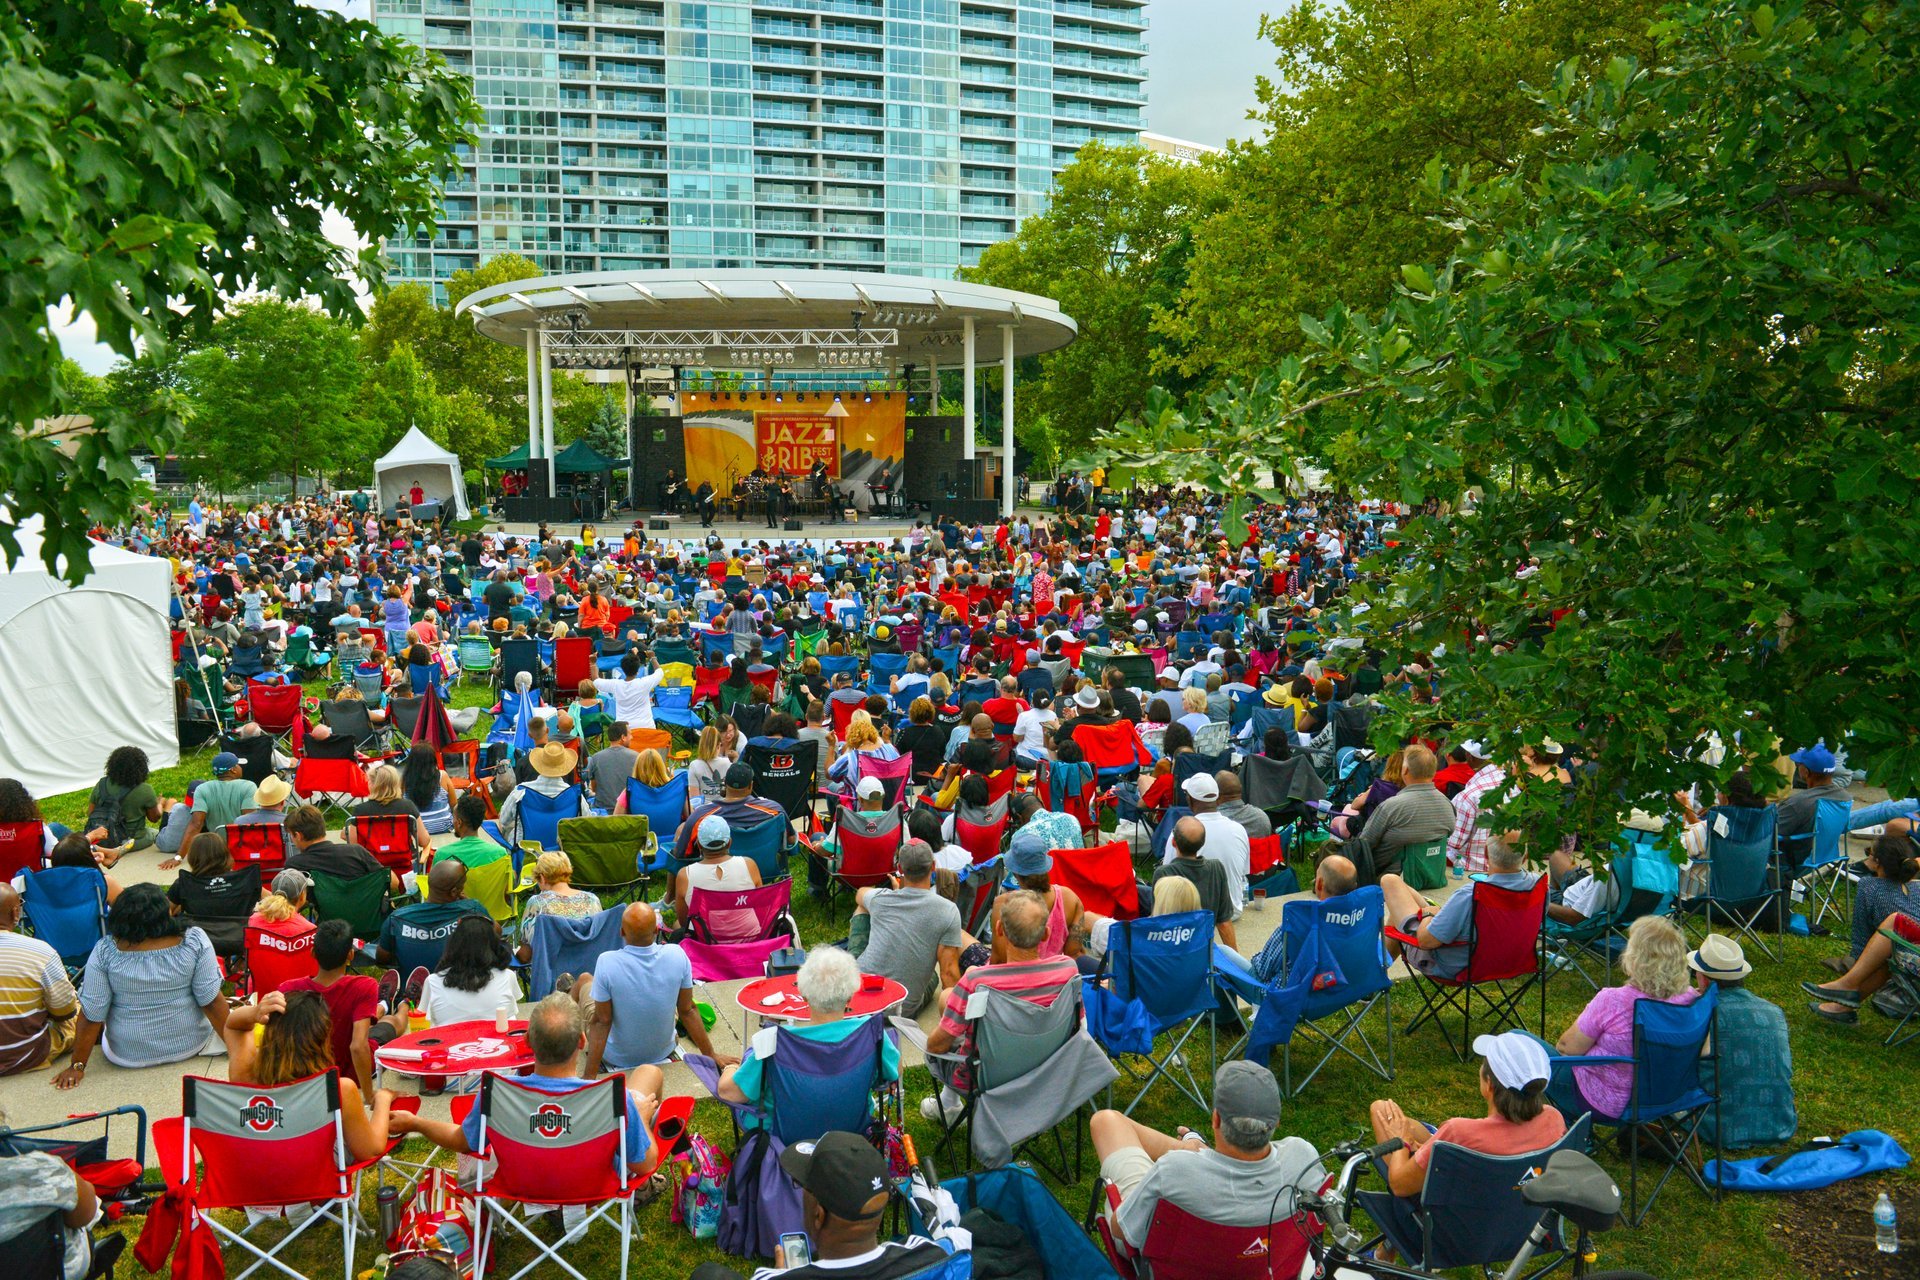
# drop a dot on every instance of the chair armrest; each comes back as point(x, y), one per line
point(911, 1030)
point(1404, 939)
point(1590, 1060)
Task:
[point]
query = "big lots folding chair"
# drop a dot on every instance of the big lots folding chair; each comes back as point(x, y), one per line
point(609, 854)
point(726, 917)
point(552, 1149)
point(1470, 1213)
point(1102, 877)
point(1642, 882)
point(865, 847)
point(1331, 971)
point(1816, 865)
point(257, 844)
point(273, 960)
point(894, 774)
point(388, 837)
point(1503, 963)
point(1670, 1098)
point(1165, 964)
point(1185, 1246)
point(263, 1147)
point(981, 831)
point(1031, 1068)
point(1743, 880)
point(67, 908)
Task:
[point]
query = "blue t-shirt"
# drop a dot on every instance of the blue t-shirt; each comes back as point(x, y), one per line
point(639, 1140)
point(643, 984)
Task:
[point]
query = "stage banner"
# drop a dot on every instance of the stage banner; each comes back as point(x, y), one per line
point(728, 434)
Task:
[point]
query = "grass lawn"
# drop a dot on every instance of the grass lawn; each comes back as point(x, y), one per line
point(1688, 1236)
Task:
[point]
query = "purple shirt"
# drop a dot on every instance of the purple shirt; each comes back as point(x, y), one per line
point(1608, 1019)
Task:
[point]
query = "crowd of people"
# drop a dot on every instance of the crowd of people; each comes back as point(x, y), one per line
point(958, 655)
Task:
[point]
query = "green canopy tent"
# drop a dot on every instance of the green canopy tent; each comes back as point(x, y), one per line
point(581, 458)
point(515, 461)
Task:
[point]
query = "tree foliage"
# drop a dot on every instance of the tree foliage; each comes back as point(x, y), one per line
point(162, 157)
point(1672, 358)
point(1113, 249)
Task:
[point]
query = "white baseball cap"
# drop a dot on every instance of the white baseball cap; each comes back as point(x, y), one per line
point(1515, 1058)
point(871, 787)
point(1201, 786)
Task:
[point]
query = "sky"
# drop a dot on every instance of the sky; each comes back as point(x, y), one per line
point(1202, 57)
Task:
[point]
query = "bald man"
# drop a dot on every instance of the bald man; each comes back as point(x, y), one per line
point(1335, 877)
point(639, 993)
point(414, 936)
point(37, 1005)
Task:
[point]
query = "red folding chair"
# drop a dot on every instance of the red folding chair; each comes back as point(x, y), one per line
point(470, 781)
point(1266, 854)
point(275, 959)
point(1000, 783)
point(262, 1147)
point(768, 679)
point(894, 774)
point(553, 1149)
point(1185, 1246)
point(276, 709)
point(1078, 803)
point(1073, 651)
point(867, 844)
point(257, 844)
point(1112, 749)
point(981, 831)
point(706, 682)
point(330, 783)
point(1503, 962)
point(574, 661)
point(1102, 877)
point(842, 709)
point(23, 846)
point(388, 837)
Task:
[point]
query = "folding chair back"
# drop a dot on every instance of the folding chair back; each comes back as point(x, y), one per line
point(608, 853)
point(275, 959)
point(1114, 750)
point(348, 718)
point(274, 707)
point(1424, 866)
point(1505, 934)
point(388, 837)
point(1667, 1044)
point(22, 847)
point(977, 892)
point(726, 962)
point(259, 844)
point(811, 1087)
point(663, 807)
point(517, 656)
point(325, 780)
point(553, 1147)
point(894, 774)
point(541, 814)
point(1000, 783)
point(707, 681)
point(764, 842)
point(785, 776)
point(361, 901)
point(256, 754)
point(1185, 1246)
point(1102, 877)
point(673, 704)
point(869, 843)
point(1013, 1036)
point(980, 831)
point(1068, 788)
point(476, 655)
point(1166, 964)
point(67, 907)
point(728, 917)
point(264, 1146)
point(1742, 874)
point(574, 661)
point(487, 884)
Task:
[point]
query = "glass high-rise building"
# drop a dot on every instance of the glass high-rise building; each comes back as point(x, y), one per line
point(885, 135)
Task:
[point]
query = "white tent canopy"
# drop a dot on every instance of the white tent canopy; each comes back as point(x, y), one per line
point(83, 669)
point(418, 460)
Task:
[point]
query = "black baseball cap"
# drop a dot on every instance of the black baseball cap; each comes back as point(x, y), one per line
point(841, 1171)
point(739, 775)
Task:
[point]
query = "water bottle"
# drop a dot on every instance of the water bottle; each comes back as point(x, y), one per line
point(1886, 1237)
point(388, 1201)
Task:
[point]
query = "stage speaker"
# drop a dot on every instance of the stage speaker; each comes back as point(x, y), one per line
point(793, 526)
point(657, 525)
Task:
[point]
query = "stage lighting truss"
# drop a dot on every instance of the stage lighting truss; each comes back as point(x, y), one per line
point(839, 348)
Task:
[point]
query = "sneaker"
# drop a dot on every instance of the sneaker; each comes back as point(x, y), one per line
point(416, 983)
point(933, 1105)
point(389, 991)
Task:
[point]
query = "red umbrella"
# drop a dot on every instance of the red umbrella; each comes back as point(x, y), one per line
point(433, 727)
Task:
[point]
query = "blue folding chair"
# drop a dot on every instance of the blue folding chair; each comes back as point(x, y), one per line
point(1470, 1212)
point(810, 1087)
point(948, 658)
point(541, 814)
point(1188, 645)
point(846, 664)
point(1743, 880)
point(1817, 866)
point(716, 647)
point(664, 808)
point(67, 909)
point(766, 843)
point(1670, 1099)
point(1264, 717)
point(1643, 882)
point(1327, 962)
point(881, 668)
point(1166, 964)
point(673, 704)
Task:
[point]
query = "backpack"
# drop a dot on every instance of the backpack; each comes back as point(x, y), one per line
point(106, 808)
point(703, 1188)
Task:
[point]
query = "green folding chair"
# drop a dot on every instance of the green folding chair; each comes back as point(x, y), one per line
point(362, 901)
point(609, 855)
point(1424, 866)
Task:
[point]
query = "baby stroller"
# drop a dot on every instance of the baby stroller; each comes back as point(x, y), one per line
point(84, 1142)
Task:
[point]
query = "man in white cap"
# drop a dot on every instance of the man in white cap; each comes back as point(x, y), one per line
point(1227, 841)
point(1752, 1057)
point(1513, 1080)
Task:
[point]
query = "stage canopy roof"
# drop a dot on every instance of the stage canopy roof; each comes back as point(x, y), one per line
point(763, 319)
point(581, 458)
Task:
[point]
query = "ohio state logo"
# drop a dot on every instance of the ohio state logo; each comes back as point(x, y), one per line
point(261, 1115)
point(550, 1121)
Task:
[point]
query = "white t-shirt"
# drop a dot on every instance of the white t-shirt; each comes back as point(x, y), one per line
point(1030, 731)
point(632, 699)
point(443, 1004)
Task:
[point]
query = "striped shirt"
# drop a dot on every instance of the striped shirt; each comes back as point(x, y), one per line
point(1037, 981)
point(1467, 846)
point(150, 1001)
point(33, 992)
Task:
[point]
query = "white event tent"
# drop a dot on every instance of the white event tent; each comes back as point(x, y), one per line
point(417, 459)
point(83, 669)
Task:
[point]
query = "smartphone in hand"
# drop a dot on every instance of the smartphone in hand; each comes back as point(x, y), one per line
point(796, 1249)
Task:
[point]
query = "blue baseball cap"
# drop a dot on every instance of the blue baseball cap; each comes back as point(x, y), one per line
point(713, 832)
point(1029, 862)
point(1814, 759)
point(224, 762)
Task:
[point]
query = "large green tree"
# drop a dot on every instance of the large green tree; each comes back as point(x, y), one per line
point(1672, 360)
point(1324, 205)
point(275, 391)
point(1113, 249)
point(162, 157)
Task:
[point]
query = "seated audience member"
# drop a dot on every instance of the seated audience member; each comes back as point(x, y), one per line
point(1514, 1071)
point(1020, 925)
point(1233, 805)
point(72, 850)
point(718, 869)
point(38, 1008)
point(1333, 878)
point(1244, 1179)
point(353, 1003)
point(1226, 841)
point(122, 803)
point(1752, 1059)
point(555, 1034)
point(278, 911)
point(1886, 892)
point(554, 895)
point(36, 1184)
point(316, 854)
point(216, 802)
point(913, 935)
point(468, 845)
point(842, 1210)
point(151, 990)
point(552, 765)
point(828, 981)
point(209, 893)
point(1208, 876)
point(1441, 949)
point(386, 798)
point(1348, 822)
point(738, 807)
point(269, 803)
point(285, 1037)
point(414, 935)
point(642, 999)
point(474, 978)
point(1415, 814)
point(1655, 968)
point(1037, 829)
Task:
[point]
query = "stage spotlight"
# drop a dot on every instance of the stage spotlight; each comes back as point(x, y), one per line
point(868, 398)
point(779, 397)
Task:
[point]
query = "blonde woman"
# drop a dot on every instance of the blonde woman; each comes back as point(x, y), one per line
point(649, 770)
point(706, 773)
point(386, 798)
point(553, 872)
point(1655, 967)
point(863, 738)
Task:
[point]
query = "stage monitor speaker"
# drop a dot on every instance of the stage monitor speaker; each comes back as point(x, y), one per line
point(792, 526)
point(658, 525)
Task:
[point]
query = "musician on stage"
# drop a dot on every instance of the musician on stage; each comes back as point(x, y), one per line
point(703, 503)
point(672, 492)
point(774, 495)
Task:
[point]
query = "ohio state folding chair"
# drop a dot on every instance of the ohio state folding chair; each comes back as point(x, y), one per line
point(552, 1149)
point(1503, 963)
point(867, 844)
point(981, 831)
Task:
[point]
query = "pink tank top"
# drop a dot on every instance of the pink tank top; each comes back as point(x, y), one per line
point(1056, 940)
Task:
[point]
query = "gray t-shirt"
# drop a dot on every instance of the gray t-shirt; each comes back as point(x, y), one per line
point(608, 770)
point(1232, 1193)
point(909, 928)
point(31, 1187)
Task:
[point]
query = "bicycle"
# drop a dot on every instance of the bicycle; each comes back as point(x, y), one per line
point(1572, 1190)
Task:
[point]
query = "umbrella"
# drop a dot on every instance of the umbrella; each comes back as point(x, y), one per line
point(432, 727)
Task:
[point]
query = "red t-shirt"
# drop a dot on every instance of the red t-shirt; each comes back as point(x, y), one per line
point(349, 999)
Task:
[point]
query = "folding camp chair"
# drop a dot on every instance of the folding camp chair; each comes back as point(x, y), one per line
point(276, 709)
point(1503, 962)
point(767, 844)
point(388, 837)
point(361, 901)
point(1114, 750)
point(707, 682)
point(351, 718)
point(23, 847)
point(517, 656)
point(1165, 963)
point(1743, 880)
point(573, 664)
point(476, 657)
point(1671, 1097)
point(257, 844)
point(981, 831)
point(267, 1148)
point(467, 779)
point(1185, 1246)
point(1102, 877)
point(1817, 867)
point(894, 774)
point(273, 960)
point(1068, 788)
point(1330, 967)
point(1030, 1067)
point(729, 917)
point(67, 909)
point(331, 783)
point(881, 668)
point(1642, 882)
point(865, 847)
point(541, 814)
point(1470, 1212)
point(1267, 868)
point(785, 776)
point(664, 808)
point(1903, 984)
point(609, 854)
point(673, 704)
point(256, 754)
point(979, 887)
point(841, 710)
point(811, 1087)
point(553, 1148)
point(1424, 866)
